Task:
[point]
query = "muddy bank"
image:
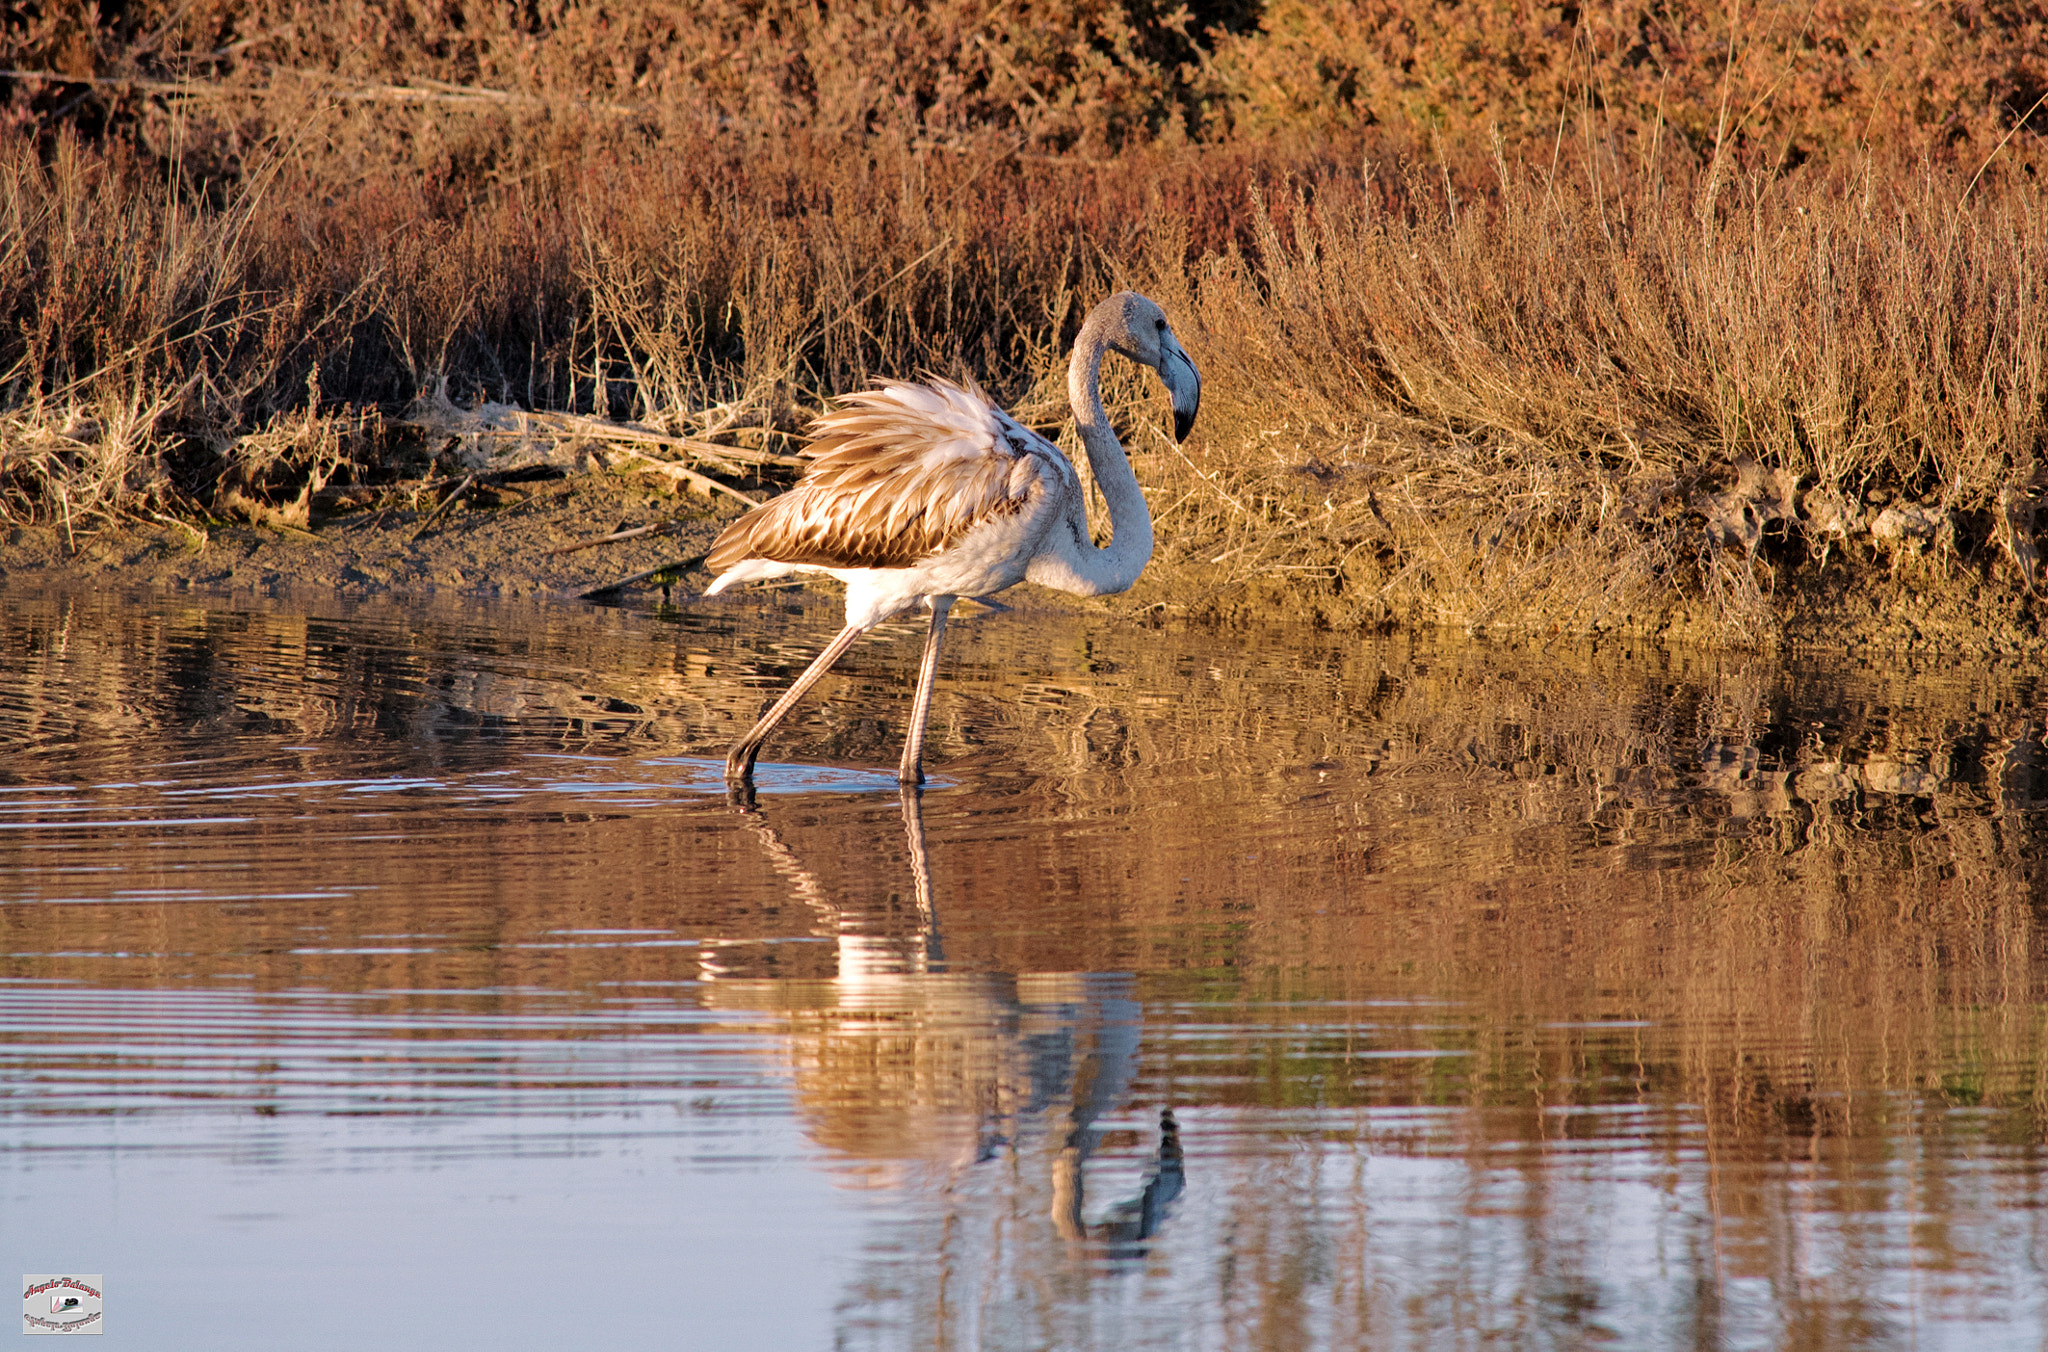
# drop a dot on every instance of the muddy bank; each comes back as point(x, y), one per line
point(1864, 608)
point(497, 542)
point(517, 542)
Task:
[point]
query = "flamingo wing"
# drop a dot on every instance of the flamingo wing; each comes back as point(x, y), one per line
point(898, 475)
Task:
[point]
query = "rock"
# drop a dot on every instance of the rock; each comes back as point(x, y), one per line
point(1907, 526)
point(2015, 531)
point(1830, 515)
point(1759, 497)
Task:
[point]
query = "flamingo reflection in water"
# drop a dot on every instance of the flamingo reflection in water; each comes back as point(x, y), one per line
point(999, 1061)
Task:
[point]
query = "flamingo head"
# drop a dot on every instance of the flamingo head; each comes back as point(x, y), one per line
point(1137, 328)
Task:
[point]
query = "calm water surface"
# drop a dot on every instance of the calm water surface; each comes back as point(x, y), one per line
point(402, 977)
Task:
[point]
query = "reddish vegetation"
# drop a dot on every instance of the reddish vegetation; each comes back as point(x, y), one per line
point(1574, 315)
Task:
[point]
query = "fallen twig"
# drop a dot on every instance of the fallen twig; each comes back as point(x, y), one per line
point(722, 457)
point(468, 482)
point(677, 567)
point(509, 423)
point(566, 426)
point(422, 90)
point(650, 465)
point(196, 533)
point(633, 533)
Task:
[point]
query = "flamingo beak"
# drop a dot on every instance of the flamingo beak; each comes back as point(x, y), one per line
point(1183, 382)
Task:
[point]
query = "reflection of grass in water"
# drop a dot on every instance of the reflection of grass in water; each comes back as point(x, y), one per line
point(1537, 836)
point(1627, 892)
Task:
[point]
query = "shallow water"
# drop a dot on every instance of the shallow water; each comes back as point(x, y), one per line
point(395, 976)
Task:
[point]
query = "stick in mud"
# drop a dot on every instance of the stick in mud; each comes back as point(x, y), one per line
point(634, 533)
point(676, 568)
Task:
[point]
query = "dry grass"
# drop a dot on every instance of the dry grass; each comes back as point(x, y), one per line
point(1555, 407)
point(1498, 329)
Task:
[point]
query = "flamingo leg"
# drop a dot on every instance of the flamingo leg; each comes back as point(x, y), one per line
point(739, 762)
point(911, 769)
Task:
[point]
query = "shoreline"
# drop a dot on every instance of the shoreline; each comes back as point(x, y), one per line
point(524, 547)
point(501, 551)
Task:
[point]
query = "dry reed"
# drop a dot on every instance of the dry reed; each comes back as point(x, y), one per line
point(1499, 331)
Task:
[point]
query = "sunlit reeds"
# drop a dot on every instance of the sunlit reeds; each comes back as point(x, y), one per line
point(1600, 350)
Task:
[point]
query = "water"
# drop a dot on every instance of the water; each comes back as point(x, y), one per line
point(400, 976)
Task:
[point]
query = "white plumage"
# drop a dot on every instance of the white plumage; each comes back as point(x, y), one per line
point(924, 493)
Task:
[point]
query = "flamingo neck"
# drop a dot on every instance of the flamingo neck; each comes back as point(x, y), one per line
point(1115, 568)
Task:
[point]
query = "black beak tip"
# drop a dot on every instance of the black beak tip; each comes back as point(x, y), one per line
point(1183, 423)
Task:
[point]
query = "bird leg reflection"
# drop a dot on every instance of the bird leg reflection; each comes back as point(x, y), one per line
point(784, 861)
point(866, 945)
point(921, 872)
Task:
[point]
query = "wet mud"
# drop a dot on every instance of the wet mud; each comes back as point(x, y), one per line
point(500, 542)
point(521, 541)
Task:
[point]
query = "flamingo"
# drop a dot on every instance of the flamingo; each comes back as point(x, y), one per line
point(922, 493)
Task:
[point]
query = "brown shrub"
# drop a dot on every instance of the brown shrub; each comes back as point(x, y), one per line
point(1546, 405)
point(1758, 86)
point(1545, 316)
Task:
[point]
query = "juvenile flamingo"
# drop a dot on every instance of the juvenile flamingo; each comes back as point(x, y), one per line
point(924, 493)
